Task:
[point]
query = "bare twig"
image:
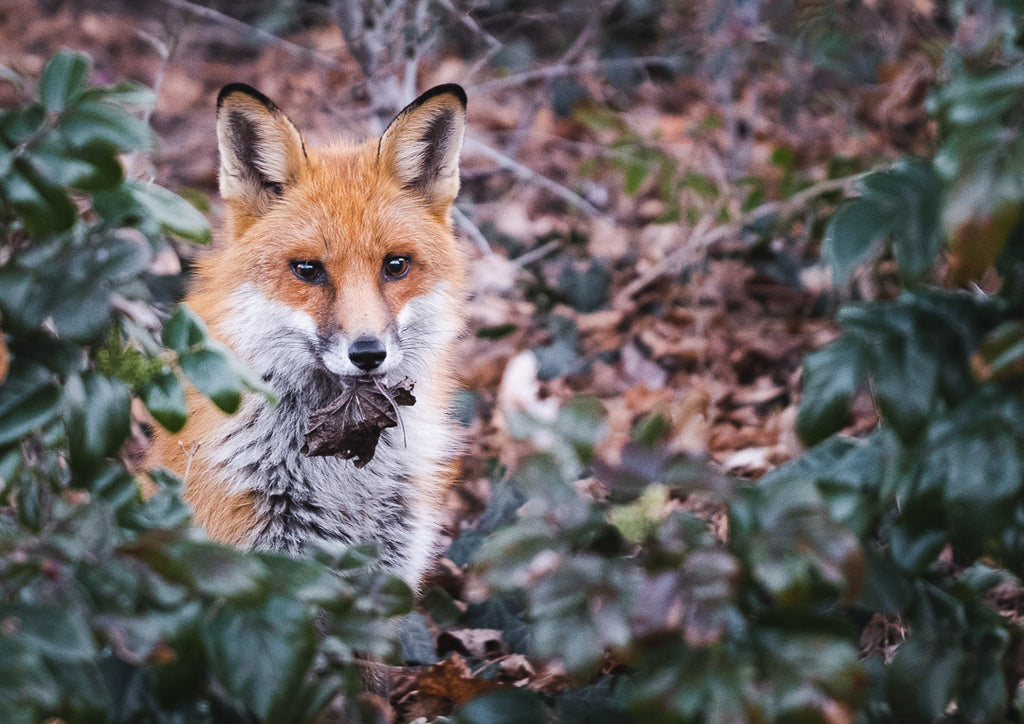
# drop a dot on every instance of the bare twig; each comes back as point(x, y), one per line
point(494, 45)
point(166, 52)
point(528, 174)
point(559, 71)
point(702, 237)
point(471, 230)
point(537, 253)
point(206, 13)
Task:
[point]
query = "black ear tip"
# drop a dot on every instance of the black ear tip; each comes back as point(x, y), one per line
point(245, 89)
point(453, 89)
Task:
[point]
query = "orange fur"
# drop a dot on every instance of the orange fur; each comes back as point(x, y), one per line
point(349, 208)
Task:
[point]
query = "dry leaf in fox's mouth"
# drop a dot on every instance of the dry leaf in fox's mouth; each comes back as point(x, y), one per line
point(350, 427)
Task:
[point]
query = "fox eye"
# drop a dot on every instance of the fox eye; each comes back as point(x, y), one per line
point(396, 267)
point(309, 271)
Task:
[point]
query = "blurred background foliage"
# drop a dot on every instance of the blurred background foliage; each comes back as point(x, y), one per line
point(871, 576)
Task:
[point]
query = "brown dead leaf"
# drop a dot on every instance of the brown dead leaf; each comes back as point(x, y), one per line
point(451, 679)
point(350, 427)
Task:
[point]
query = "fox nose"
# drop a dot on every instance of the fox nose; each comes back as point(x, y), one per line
point(367, 353)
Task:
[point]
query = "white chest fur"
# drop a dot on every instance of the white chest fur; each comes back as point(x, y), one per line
point(300, 499)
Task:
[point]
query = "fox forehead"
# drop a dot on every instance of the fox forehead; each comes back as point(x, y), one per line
point(345, 208)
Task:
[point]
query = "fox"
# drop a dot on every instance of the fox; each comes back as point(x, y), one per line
point(334, 263)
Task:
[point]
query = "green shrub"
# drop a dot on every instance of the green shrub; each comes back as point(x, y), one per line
point(918, 521)
point(111, 606)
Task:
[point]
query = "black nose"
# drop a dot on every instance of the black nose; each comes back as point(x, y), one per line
point(367, 353)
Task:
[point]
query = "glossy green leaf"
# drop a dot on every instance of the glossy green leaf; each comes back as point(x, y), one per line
point(183, 330)
point(173, 213)
point(58, 633)
point(27, 683)
point(44, 208)
point(218, 570)
point(125, 92)
point(90, 168)
point(27, 412)
point(93, 123)
point(923, 675)
point(506, 706)
point(902, 206)
point(9, 76)
point(853, 233)
point(261, 654)
point(213, 374)
point(98, 418)
point(164, 397)
point(63, 79)
point(831, 376)
point(19, 125)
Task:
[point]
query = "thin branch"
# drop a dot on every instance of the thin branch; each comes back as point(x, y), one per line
point(702, 237)
point(206, 13)
point(528, 174)
point(494, 45)
point(471, 230)
point(584, 66)
point(537, 253)
point(166, 52)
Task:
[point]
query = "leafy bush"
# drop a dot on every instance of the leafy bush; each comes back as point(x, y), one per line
point(917, 522)
point(111, 606)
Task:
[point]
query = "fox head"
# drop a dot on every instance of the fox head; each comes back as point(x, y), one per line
point(338, 259)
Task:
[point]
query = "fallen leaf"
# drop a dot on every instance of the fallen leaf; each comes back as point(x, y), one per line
point(452, 679)
point(350, 427)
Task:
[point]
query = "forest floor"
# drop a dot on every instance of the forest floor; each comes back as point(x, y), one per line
point(622, 296)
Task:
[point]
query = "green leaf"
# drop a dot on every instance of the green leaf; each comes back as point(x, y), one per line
point(17, 126)
point(183, 330)
point(905, 377)
point(832, 375)
point(81, 312)
point(58, 633)
point(903, 204)
point(218, 570)
point(173, 213)
point(44, 208)
point(63, 79)
point(585, 290)
point(913, 549)
point(261, 654)
point(126, 92)
point(92, 123)
point(27, 682)
point(213, 374)
point(164, 397)
point(983, 476)
point(854, 231)
point(923, 675)
point(502, 509)
point(416, 640)
point(27, 409)
point(90, 168)
point(505, 706)
point(98, 418)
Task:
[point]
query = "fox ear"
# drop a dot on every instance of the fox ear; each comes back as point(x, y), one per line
point(421, 146)
point(261, 152)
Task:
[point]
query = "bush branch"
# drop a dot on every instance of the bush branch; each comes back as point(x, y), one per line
point(702, 237)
